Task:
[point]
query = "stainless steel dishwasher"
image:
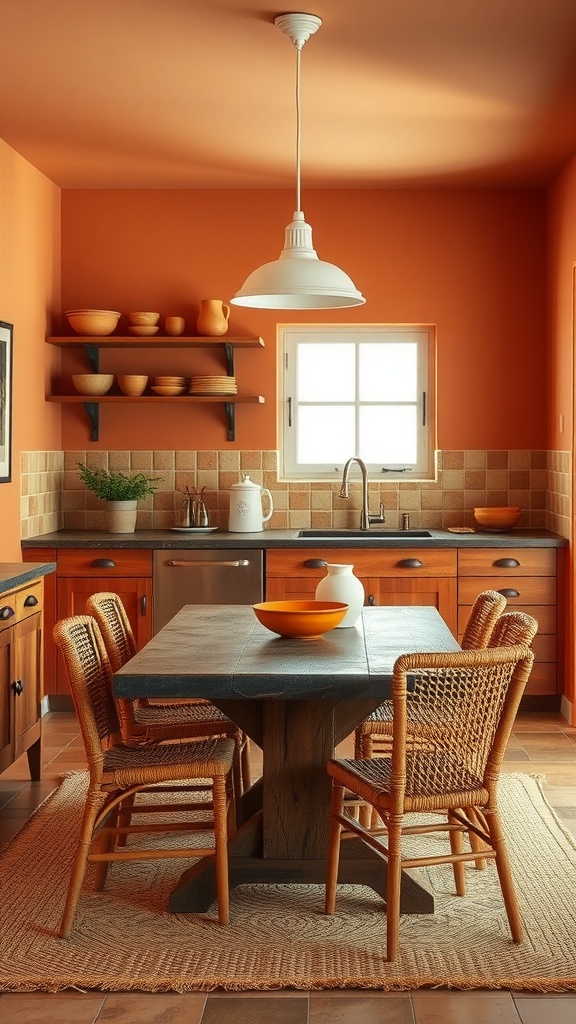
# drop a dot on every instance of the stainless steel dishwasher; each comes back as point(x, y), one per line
point(222, 576)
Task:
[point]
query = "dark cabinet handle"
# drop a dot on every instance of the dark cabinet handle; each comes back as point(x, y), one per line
point(103, 563)
point(508, 592)
point(410, 563)
point(315, 563)
point(143, 604)
point(30, 601)
point(507, 563)
point(18, 686)
point(371, 600)
point(6, 612)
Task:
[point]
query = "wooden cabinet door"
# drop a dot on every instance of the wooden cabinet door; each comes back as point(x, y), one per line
point(6, 696)
point(28, 672)
point(437, 593)
point(136, 594)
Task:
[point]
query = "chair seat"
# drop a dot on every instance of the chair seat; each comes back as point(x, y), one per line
point(371, 781)
point(127, 765)
point(180, 714)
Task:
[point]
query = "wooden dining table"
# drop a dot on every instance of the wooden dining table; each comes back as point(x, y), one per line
point(296, 699)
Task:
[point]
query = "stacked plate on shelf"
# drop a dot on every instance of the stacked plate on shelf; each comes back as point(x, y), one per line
point(169, 386)
point(213, 385)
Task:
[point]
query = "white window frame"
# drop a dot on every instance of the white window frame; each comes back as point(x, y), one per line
point(291, 335)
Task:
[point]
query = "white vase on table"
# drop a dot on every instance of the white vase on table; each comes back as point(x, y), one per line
point(340, 584)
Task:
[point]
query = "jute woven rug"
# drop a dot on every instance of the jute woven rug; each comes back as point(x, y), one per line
point(124, 939)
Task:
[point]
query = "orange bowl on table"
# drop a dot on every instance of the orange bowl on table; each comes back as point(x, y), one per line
point(300, 620)
point(497, 518)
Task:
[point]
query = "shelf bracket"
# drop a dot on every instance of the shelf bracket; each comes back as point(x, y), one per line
point(229, 359)
point(93, 411)
point(93, 356)
point(231, 418)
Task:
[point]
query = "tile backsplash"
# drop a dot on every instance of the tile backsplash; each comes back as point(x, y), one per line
point(53, 496)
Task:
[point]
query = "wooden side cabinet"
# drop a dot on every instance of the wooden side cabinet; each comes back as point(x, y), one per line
point(21, 676)
point(390, 576)
point(528, 579)
point(82, 572)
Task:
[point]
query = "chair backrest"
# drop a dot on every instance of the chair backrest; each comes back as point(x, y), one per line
point(110, 614)
point(483, 614)
point(464, 705)
point(90, 675)
point(513, 628)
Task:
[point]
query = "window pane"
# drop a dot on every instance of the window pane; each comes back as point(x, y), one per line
point(388, 434)
point(326, 372)
point(387, 372)
point(325, 433)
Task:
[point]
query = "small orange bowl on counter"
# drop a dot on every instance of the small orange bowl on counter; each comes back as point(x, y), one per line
point(300, 620)
point(502, 517)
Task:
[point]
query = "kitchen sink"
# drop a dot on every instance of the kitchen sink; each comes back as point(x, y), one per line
point(365, 534)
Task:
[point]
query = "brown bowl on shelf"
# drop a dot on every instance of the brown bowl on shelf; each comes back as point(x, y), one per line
point(300, 620)
point(498, 518)
point(93, 322)
point(132, 384)
point(144, 319)
point(93, 383)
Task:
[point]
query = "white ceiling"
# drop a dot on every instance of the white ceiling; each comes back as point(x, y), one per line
point(201, 93)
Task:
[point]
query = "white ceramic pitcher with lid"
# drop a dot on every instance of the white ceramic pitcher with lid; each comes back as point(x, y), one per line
point(246, 513)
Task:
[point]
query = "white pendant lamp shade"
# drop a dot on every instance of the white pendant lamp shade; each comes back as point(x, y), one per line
point(298, 279)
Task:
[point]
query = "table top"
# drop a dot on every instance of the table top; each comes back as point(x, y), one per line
point(223, 652)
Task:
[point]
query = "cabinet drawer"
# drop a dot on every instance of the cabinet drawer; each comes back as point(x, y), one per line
point(23, 602)
point(527, 590)
point(545, 615)
point(491, 562)
point(380, 562)
point(104, 562)
point(542, 679)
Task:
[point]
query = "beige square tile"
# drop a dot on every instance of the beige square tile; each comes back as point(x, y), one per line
point(519, 459)
point(119, 461)
point(250, 461)
point(475, 460)
point(163, 461)
point(229, 462)
point(141, 461)
point(185, 461)
point(452, 460)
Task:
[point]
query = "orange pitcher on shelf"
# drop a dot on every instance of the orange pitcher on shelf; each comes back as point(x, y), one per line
point(212, 317)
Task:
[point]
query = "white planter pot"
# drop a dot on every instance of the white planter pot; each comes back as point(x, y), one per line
point(342, 585)
point(121, 516)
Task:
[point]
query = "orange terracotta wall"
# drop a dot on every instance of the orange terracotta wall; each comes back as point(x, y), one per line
point(29, 298)
point(471, 261)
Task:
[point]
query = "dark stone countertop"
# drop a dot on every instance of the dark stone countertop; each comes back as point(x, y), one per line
point(14, 574)
point(167, 539)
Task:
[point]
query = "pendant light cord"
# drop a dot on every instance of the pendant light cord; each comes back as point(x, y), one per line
point(298, 127)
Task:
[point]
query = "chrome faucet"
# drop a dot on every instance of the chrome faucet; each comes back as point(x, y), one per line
point(365, 517)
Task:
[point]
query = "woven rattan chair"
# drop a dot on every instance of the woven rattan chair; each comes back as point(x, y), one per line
point(142, 721)
point(513, 628)
point(373, 736)
point(118, 772)
point(459, 769)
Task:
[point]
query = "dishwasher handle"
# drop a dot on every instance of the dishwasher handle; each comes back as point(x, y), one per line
point(178, 563)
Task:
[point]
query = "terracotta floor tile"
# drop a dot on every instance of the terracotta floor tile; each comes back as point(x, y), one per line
point(463, 1008)
point(360, 1008)
point(250, 1008)
point(55, 1008)
point(138, 1008)
point(546, 1009)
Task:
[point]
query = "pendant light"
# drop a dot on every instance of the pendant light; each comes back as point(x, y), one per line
point(298, 279)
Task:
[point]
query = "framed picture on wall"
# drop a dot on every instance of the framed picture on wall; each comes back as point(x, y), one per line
point(6, 332)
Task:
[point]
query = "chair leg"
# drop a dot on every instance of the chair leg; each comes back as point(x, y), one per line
point(245, 762)
point(476, 844)
point(94, 802)
point(505, 875)
point(220, 802)
point(237, 775)
point(358, 753)
point(457, 846)
point(394, 861)
point(333, 860)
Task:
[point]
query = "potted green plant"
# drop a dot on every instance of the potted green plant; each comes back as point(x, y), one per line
point(121, 492)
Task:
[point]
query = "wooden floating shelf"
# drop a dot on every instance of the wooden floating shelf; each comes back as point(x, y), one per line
point(93, 345)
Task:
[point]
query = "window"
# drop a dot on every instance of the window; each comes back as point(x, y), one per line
point(362, 390)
